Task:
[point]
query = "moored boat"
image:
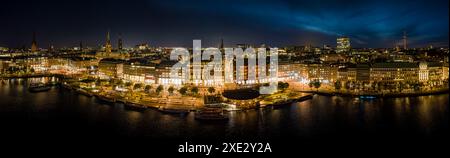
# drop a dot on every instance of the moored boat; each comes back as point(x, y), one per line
point(290, 101)
point(84, 92)
point(40, 87)
point(211, 114)
point(303, 98)
point(367, 97)
point(134, 106)
point(282, 103)
point(106, 98)
point(173, 110)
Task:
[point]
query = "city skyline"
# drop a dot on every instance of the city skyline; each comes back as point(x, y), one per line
point(225, 77)
point(177, 23)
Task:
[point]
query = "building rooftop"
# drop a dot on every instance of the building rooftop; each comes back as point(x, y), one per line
point(435, 64)
point(395, 65)
point(166, 63)
point(241, 94)
point(112, 60)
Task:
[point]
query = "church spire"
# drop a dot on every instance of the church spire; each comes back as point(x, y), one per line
point(33, 43)
point(108, 40)
point(119, 46)
point(108, 46)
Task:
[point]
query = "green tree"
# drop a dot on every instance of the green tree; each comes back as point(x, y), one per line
point(317, 84)
point(128, 84)
point(283, 85)
point(337, 85)
point(137, 86)
point(347, 85)
point(374, 85)
point(148, 88)
point(416, 87)
point(171, 89)
point(159, 89)
point(183, 90)
point(311, 84)
point(211, 90)
point(194, 90)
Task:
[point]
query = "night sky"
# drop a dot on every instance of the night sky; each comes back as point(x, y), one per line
point(377, 23)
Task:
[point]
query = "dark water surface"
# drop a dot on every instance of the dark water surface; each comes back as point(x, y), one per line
point(63, 119)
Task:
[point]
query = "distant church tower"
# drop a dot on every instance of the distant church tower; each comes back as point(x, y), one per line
point(404, 40)
point(34, 47)
point(108, 46)
point(120, 43)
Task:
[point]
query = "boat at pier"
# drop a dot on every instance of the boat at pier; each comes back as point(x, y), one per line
point(106, 98)
point(39, 87)
point(283, 103)
point(134, 106)
point(367, 97)
point(303, 98)
point(211, 114)
point(173, 110)
point(84, 92)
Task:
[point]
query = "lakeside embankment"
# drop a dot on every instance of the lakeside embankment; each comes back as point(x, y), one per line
point(112, 99)
point(181, 105)
point(380, 95)
point(161, 104)
point(34, 75)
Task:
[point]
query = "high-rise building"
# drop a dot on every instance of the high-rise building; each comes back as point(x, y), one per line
point(343, 44)
point(34, 47)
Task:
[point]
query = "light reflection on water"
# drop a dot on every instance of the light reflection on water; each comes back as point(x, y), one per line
point(313, 118)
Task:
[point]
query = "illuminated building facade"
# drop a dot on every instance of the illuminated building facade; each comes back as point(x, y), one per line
point(142, 73)
point(163, 73)
point(395, 72)
point(322, 72)
point(110, 68)
point(445, 71)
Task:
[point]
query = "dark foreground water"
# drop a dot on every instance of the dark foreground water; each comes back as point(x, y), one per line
point(63, 120)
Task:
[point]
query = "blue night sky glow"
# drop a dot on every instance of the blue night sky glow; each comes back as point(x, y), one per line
point(276, 23)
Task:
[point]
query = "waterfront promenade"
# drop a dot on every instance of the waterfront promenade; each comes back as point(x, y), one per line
point(141, 99)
